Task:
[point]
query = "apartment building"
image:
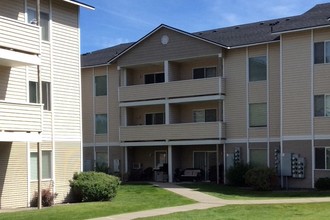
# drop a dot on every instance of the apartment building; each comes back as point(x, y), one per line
point(39, 98)
point(254, 93)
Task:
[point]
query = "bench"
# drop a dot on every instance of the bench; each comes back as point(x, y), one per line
point(191, 174)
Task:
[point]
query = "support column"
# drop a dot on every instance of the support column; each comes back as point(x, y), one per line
point(217, 170)
point(166, 71)
point(170, 165)
point(126, 160)
point(167, 113)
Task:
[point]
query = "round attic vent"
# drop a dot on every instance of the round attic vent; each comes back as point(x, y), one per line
point(164, 39)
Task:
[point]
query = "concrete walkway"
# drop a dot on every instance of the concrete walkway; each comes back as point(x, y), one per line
point(204, 201)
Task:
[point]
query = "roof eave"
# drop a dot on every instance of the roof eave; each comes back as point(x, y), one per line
point(300, 29)
point(255, 44)
point(80, 4)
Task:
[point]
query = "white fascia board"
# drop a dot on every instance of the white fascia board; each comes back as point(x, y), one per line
point(20, 137)
point(80, 4)
point(14, 58)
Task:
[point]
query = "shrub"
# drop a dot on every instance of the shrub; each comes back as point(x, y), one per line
point(323, 183)
point(260, 178)
point(47, 198)
point(236, 174)
point(94, 186)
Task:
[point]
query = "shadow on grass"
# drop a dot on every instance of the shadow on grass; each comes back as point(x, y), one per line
point(231, 192)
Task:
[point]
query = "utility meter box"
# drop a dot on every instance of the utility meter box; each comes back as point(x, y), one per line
point(298, 166)
point(286, 169)
point(237, 155)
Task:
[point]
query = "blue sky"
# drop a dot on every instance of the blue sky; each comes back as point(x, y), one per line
point(121, 21)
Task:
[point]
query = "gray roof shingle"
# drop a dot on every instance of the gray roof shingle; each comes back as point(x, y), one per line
point(235, 36)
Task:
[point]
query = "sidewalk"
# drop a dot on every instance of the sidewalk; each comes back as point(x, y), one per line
point(204, 201)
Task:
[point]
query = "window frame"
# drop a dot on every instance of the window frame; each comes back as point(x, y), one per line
point(325, 103)
point(44, 29)
point(325, 56)
point(326, 161)
point(153, 115)
point(154, 76)
point(35, 164)
point(104, 131)
point(204, 72)
point(204, 115)
point(46, 95)
point(250, 72)
point(266, 118)
point(97, 90)
point(35, 98)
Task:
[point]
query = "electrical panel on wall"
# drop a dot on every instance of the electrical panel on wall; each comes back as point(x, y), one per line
point(277, 161)
point(298, 166)
point(237, 155)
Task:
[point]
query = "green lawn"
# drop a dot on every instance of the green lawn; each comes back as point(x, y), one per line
point(229, 192)
point(312, 211)
point(130, 198)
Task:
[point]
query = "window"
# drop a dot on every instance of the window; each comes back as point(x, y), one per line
point(322, 52)
point(46, 95)
point(154, 78)
point(258, 157)
point(257, 68)
point(321, 105)
point(33, 92)
point(46, 165)
point(154, 118)
point(160, 158)
point(322, 158)
point(205, 115)
point(100, 85)
point(44, 22)
point(101, 159)
point(101, 124)
point(207, 72)
point(258, 115)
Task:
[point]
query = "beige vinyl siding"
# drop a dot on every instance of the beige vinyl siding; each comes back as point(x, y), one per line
point(274, 89)
point(258, 92)
point(13, 175)
point(66, 71)
point(296, 83)
point(321, 84)
point(13, 9)
point(13, 84)
point(183, 88)
point(174, 71)
point(186, 131)
point(45, 67)
point(87, 103)
point(47, 126)
point(235, 102)
point(67, 160)
point(114, 111)
point(179, 46)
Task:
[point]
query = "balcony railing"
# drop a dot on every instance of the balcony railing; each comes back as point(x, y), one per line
point(19, 36)
point(174, 89)
point(175, 132)
point(20, 117)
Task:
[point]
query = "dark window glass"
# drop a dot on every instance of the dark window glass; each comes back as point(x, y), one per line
point(159, 118)
point(159, 77)
point(101, 124)
point(257, 68)
point(149, 119)
point(211, 72)
point(198, 73)
point(33, 90)
point(319, 105)
point(319, 52)
point(149, 78)
point(327, 52)
point(319, 158)
point(210, 115)
point(100, 85)
point(46, 95)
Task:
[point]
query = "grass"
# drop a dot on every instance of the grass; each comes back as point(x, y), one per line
point(312, 211)
point(130, 198)
point(239, 193)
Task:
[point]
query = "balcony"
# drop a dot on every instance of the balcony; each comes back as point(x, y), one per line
point(172, 132)
point(19, 43)
point(20, 117)
point(174, 89)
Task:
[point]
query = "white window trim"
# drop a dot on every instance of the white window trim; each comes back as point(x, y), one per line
point(51, 168)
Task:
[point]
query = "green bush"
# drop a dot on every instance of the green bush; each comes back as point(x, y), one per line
point(94, 186)
point(323, 183)
point(260, 178)
point(236, 174)
point(47, 198)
